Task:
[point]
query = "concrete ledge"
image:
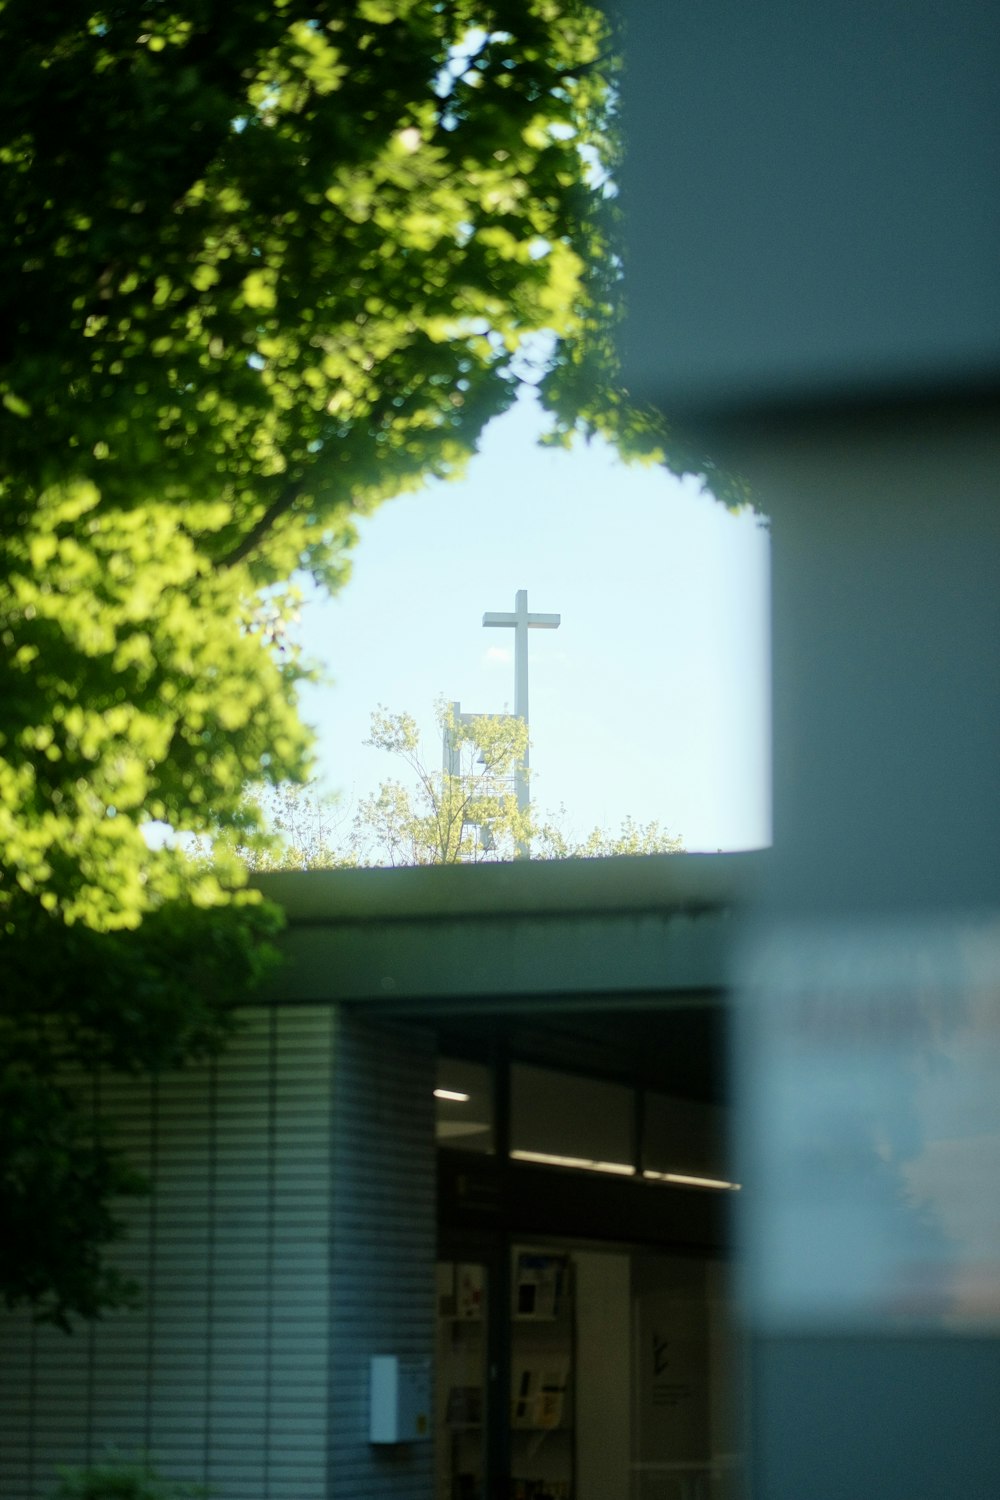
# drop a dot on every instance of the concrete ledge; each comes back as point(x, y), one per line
point(637, 883)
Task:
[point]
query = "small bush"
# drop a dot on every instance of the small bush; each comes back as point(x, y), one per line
point(122, 1479)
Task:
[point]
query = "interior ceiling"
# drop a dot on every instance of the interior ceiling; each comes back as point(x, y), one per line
point(681, 1050)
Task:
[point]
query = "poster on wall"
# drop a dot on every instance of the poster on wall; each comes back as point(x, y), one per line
point(538, 1394)
point(538, 1285)
point(470, 1289)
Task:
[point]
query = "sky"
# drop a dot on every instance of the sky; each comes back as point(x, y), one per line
point(651, 699)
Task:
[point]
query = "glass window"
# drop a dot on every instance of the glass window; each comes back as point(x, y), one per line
point(563, 1119)
point(463, 1101)
point(684, 1137)
point(460, 1384)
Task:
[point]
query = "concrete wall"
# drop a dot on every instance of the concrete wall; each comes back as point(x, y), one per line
point(222, 1373)
point(383, 1245)
point(289, 1233)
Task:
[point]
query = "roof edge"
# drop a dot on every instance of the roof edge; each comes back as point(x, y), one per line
point(648, 882)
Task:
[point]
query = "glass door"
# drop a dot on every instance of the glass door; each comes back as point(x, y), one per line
point(686, 1381)
point(461, 1384)
point(542, 1337)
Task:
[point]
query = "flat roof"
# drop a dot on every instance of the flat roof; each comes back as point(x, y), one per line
point(623, 883)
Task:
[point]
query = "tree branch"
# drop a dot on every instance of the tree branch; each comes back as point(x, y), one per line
point(279, 506)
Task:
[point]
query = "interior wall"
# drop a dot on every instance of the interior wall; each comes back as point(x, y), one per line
point(603, 1405)
point(728, 1396)
point(671, 1374)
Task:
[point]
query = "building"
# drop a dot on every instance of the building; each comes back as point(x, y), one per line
point(816, 297)
point(315, 1206)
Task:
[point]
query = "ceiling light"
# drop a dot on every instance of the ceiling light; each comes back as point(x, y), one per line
point(581, 1163)
point(452, 1094)
point(685, 1181)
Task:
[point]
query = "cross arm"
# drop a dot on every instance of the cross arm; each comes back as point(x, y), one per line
point(534, 622)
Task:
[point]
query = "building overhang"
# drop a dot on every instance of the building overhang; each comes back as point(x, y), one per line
point(565, 933)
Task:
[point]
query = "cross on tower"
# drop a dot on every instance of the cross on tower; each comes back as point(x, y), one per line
point(521, 622)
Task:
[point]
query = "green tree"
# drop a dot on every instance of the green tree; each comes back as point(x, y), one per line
point(263, 266)
point(78, 1002)
point(304, 830)
point(467, 813)
point(464, 814)
point(631, 838)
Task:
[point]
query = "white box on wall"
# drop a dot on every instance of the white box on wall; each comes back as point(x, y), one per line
point(400, 1399)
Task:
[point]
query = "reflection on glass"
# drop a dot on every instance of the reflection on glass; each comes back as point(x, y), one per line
point(683, 1139)
point(562, 1116)
point(542, 1358)
point(872, 1055)
point(686, 1381)
point(463, 1103)
point(460, 1428)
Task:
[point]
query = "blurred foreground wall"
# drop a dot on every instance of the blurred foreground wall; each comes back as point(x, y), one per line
point(814, 282)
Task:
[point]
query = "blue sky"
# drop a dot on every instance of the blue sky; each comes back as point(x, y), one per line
point(649, 701)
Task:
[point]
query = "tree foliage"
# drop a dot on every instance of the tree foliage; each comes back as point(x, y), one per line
point(78, 1003)
point(631, 838)
point(304, 831)
point(263, 266)
point(116, 1478)
point(465, 813)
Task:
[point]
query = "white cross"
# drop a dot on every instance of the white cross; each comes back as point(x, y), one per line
point(521, 622)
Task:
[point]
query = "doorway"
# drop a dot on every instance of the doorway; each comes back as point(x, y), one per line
point(585, 1347)
point(621, 1377)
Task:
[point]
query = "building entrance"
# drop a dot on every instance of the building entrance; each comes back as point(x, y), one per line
point(584, 1338)
point(622, 1377)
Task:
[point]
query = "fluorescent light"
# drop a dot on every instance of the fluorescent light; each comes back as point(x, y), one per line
point(685, 1181)
point(452, 1094)
point(621, 1169)
point(581, 1163)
